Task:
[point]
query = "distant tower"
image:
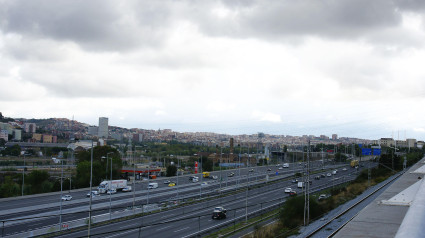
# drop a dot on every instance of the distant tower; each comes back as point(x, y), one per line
point(231, 146)
point(103, 127)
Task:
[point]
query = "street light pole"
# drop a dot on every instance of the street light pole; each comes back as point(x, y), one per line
point(60, 216)
point(91, 180)
point(23, 177)
point(110, 185)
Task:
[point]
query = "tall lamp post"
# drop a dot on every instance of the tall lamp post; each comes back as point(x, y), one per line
point(23, 177)
point(91, 180)
point(110, 185)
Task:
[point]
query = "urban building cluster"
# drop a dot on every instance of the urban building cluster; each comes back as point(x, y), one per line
point(55, 130)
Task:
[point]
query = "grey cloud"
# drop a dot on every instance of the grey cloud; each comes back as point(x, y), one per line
point(119, 26)
point(95, 25)
point(278, 19)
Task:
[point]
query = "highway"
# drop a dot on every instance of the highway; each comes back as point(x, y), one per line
point(48, 205)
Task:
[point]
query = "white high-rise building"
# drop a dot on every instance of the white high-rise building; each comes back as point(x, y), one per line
point(103, 127)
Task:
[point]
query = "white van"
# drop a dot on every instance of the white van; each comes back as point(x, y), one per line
point(152, 185)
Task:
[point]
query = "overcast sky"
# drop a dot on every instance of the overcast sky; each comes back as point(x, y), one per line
point(351, 67)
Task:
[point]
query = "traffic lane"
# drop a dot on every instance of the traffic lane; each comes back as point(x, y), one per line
point(261, 194)
point(196, 207)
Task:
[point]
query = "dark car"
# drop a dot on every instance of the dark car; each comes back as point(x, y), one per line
point(293, 193)
point(323, 176)
point(317, 177)
point(219, 213)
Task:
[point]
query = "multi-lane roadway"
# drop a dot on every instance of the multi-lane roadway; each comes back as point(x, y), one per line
point(47, 205)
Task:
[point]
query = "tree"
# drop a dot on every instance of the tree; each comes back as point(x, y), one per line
point(37, 180)
point(9, 188)
point(171, 170)
point(292, 213)
point(101, 165)
point(207, 164)
point(13, 150)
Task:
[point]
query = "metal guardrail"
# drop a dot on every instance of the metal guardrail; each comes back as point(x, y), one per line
point(349, 208)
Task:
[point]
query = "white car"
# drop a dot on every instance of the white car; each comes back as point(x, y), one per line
point(111, 191)
point(288, 190)
point(344, 169)
point(280, 168)
point(204, 183)
point(127, 189)
point(67, 198)
point(329, 174)
point(334, 172)
point(167, 181)
point(94, 193)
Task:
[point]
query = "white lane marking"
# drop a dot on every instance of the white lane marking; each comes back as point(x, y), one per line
point(169, 215)
point(126, 226)
point(182, 229)
point(121, 233)
point(163, 228)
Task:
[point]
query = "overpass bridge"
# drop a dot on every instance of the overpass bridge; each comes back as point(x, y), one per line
point(37, 144)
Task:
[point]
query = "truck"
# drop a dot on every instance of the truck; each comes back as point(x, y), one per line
point(354, 163)
point(114, 184)
point(152, 185)
point(152, 176)
point(206, 174)
point(300, 184)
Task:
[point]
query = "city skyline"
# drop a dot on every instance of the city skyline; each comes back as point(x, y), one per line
point(352, 68)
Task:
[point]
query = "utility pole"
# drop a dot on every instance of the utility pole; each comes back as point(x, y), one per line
point(307, 189)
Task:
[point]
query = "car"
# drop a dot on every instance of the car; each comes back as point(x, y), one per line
point(231, 174)
point(294, 180)
point(67, 198)
point(323, 175)
point(317, 177)
point(214, 177)
point(344, 169)
point(204, 183)
point(94, 193)
point(218, 215)
point(285, 165)
point(334, 172)
point(111, 191)
point(277, 165)
point(288, 190)
point(329, 174)
point(280, 168)
point(127, 189)
point(293, 193)
point(322, 197)
point(171, 184)
point(269, 169)
point(167, 181)
point(251, 170)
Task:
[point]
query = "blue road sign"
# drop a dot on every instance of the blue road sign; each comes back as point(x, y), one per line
point(366, 151)
point(376, 151)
